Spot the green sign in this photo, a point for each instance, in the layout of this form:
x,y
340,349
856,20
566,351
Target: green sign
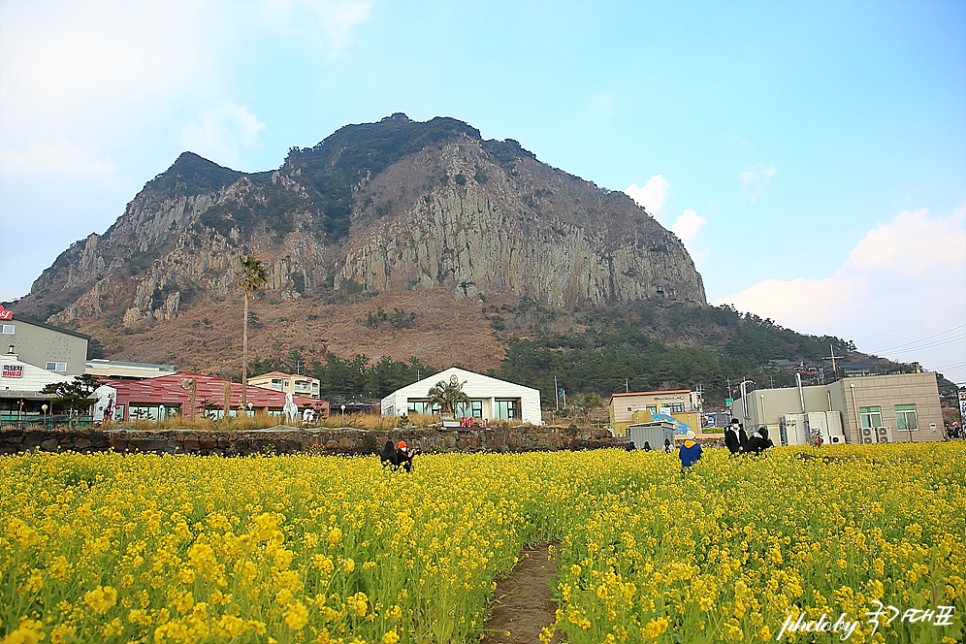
x,y
728,401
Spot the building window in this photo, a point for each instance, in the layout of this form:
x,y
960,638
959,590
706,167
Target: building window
x,y
421,407
906,419
506,410
651,408
676,408
473,410
870,416
145,412
7,329
59,367
154,412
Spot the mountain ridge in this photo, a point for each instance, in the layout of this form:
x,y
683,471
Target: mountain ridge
x,y
375,210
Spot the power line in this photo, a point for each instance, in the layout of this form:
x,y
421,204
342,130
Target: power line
x,y
905,326
951,366
914,342
928,345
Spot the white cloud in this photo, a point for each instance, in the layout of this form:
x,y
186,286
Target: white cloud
x,y
56,160
652,195
755,180
688,225
326,24
889,292
219,133
74,65
801,304
912,243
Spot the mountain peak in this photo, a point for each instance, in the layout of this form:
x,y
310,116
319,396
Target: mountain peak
x,y
194,173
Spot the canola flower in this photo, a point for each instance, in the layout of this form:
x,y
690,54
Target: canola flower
x,y
144,548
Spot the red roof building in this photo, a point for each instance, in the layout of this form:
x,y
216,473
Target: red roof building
x,y
193,394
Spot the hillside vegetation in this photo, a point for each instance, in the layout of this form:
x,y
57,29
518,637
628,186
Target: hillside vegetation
x,y
641,347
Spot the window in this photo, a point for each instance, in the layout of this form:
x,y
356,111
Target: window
x,y
7,329
145,412
59,367
651,408
473,410
870,416
906,419
421,407
154,412
505,410
676,408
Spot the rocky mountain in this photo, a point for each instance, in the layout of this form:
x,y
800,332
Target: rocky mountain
x,y
420,217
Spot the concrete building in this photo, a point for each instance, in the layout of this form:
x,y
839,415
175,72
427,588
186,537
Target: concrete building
x,y
679,406
868,409
295,384
43,345
490,398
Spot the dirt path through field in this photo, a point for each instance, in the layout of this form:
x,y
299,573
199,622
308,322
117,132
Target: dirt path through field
x,y
522,604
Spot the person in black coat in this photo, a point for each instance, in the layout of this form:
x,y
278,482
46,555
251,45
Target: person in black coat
x,y
732,437
742,438
759,441
396,456
389,456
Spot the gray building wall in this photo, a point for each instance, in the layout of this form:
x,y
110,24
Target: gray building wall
x,y
885,392
848,396
38,344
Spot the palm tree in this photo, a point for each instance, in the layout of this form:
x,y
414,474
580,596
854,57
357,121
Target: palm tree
x,y
253,276
447,395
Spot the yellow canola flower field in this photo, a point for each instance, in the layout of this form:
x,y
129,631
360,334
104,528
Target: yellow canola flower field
x,y
143,548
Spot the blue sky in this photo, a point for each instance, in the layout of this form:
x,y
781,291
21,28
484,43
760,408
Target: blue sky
x,y
811,155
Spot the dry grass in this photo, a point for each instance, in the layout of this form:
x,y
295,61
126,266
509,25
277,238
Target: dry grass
x,y
264,421
373,422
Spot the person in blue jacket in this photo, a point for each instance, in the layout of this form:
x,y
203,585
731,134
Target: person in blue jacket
x,y
689,451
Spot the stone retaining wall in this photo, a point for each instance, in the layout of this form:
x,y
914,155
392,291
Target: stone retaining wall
x,y
290,440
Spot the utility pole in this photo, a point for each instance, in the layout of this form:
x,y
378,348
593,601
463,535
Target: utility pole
x,y
556,393
627,387
832,358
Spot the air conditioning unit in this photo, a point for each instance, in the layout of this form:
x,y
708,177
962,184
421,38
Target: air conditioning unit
x,y
883,435
868,435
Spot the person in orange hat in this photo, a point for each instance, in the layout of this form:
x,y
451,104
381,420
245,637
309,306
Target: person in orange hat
x,y
405,456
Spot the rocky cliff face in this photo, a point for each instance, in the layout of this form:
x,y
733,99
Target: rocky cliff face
x,y
389,207
520,228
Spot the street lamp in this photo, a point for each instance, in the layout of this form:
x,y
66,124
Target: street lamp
x,y
43,408
343,413
743,387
